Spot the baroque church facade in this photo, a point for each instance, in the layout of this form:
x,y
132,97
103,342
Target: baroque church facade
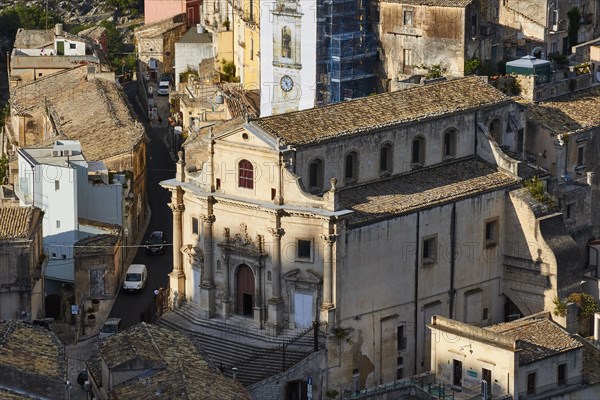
x,y
369,216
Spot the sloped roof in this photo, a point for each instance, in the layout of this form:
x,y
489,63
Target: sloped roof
x,y
94,112
539,338
424,188
383,110
32,350
16,222
181,372
568,114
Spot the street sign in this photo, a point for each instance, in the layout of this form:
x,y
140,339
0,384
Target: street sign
x,y
309,394
74,309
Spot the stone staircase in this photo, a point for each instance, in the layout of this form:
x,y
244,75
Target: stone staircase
x,y
238,343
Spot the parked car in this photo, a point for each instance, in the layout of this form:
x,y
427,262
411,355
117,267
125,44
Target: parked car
x,y
167,77
135,279
111,327
163,88
156,243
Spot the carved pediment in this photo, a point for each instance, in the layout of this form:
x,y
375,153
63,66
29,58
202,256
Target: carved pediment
x,y
242,243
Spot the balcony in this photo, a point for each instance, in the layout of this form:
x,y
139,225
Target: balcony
x,y
23,195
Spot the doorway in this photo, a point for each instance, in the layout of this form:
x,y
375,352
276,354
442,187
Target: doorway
x,y
245,291
53,306
486,375
303,310
457,373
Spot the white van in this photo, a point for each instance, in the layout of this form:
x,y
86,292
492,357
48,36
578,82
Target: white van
x,y
135,280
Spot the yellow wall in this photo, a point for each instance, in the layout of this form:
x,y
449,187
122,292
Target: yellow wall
x,y
251,77
224,47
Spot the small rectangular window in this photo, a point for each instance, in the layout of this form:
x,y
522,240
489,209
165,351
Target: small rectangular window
x,y
562,374
408,17
56,185
218,183
531,383
72,46
273,193
304,248
581,156
569,211
429,255
57,223
491,233
194,225
484,314
401,339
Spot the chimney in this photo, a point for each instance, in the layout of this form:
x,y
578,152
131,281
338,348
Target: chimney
x,y
58,29
199,28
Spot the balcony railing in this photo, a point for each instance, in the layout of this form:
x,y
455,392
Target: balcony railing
x,y
548,391
23,195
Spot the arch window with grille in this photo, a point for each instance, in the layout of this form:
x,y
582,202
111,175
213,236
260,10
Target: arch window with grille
x,y
245,174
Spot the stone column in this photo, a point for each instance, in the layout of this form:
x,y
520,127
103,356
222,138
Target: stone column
x,y
328,270
275,321
225,300
207,287
177,276
258,302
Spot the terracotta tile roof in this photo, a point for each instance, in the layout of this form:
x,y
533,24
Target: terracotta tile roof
x,y
384,110
424,188
432,3
177,368
15,222
539,338
157,28
568,114
240,102
94,33
32,350
95,112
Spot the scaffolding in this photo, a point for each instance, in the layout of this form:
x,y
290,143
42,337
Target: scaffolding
x,y
347,51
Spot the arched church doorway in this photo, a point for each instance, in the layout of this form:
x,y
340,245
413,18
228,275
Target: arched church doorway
x,y
245,290
53,306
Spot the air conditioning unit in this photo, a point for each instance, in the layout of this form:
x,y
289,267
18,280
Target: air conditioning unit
x,y
554,28
56,153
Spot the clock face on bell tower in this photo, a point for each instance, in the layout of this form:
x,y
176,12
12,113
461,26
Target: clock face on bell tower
x,y
286,83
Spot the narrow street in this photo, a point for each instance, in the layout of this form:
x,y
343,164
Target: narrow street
x,y
129,307
160,166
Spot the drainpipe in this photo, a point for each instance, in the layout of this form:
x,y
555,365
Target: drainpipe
x,y
452,259
416,331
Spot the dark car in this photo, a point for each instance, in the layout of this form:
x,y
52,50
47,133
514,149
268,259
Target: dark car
x,y
155,243
82,377
167,77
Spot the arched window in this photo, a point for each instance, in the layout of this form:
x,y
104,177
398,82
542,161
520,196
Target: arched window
x,y
315,176
450,143
418,151
245,174
351,167
286,42
385,159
